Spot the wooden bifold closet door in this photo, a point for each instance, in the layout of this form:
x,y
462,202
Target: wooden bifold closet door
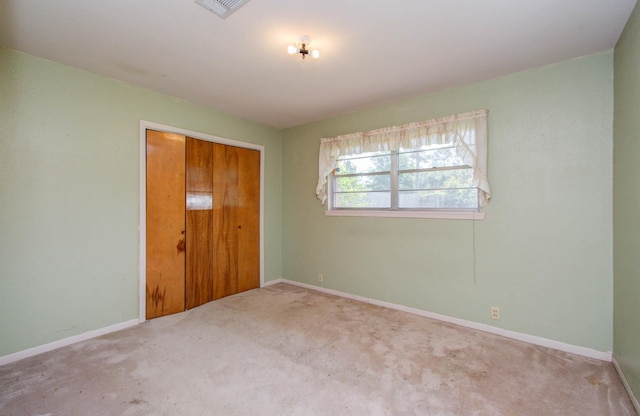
x,y
165,223
203,216
199,253
236,200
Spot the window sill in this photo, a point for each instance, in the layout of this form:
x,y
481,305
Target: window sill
x,y
448,215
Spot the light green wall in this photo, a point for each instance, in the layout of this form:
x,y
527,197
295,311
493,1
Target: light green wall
x,y
69,202
626,202
544,251
69,195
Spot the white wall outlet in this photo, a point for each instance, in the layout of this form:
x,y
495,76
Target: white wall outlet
x,y
320,277
495,312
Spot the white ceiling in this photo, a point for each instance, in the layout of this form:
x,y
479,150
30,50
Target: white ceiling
x,y
372,51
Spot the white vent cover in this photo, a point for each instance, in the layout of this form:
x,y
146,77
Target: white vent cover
x,y
222,8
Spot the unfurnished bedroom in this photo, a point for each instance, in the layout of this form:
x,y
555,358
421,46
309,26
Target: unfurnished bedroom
x,y
213,207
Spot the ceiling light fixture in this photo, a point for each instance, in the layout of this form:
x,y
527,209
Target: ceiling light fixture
x,y
301,48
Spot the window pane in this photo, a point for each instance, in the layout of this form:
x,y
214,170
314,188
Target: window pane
x,y
365,163
449,178
450,198
363,183
363,200
426,159
428,178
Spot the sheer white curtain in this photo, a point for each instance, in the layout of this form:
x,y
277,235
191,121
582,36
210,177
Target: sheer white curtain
x,y
467,131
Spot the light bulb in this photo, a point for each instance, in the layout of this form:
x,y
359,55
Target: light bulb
x,y
315,54
292,49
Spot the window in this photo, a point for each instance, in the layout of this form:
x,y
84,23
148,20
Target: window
x,y
424,178
433,165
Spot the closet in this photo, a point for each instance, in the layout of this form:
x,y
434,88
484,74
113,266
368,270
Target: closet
x,y
203,222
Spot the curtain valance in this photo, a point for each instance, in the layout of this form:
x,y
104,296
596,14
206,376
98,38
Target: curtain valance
x,y
467,131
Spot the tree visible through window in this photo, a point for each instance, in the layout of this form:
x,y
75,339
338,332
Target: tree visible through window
x,y
437,164
428,177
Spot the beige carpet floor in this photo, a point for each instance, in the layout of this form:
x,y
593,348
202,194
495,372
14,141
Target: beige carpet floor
x,y
285,350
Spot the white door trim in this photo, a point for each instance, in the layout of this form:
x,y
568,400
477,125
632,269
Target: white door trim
x,y
142,224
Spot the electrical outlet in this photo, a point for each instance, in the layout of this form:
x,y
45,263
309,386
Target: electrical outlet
x,y
495,312
320,277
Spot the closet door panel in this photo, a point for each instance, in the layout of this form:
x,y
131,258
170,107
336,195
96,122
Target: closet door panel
x,y
199,218
248,219
165,260
225,220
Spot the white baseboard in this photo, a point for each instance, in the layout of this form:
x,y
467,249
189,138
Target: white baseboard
x,y
531,339
6,359
627,387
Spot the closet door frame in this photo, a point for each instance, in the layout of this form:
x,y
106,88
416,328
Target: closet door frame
x,y
142,224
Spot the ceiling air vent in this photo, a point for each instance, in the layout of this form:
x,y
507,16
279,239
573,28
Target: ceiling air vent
x,y
222,8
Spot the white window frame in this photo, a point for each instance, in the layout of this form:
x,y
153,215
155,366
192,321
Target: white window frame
x,y
395,210
394,181
467,132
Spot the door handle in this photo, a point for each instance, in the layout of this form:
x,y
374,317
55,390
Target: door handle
x,y
180,246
